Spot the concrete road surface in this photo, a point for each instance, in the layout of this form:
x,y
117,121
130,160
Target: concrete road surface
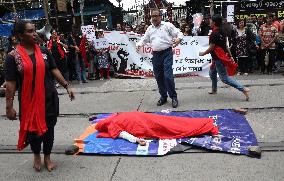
x,y
265,115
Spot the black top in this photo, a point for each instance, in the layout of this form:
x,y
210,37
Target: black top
x,y
51,96
219,40
74,42
204,30
54,51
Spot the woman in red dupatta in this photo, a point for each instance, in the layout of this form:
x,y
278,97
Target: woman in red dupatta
x,y
222,61
30,69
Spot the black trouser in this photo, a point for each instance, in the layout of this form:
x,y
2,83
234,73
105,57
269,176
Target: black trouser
x,y
272,56
162,66
47,139
2,79
63,68
245,64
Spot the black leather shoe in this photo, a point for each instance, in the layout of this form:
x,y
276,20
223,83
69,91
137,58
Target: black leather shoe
x,y
161,102
174,103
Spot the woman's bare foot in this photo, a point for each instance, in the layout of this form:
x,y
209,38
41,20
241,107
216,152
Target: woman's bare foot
x,y
246,93
48,163
37,162
141,142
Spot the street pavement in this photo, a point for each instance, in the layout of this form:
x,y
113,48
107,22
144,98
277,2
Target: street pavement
x,y
265,115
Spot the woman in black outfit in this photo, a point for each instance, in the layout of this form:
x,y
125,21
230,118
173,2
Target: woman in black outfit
x,y
30,69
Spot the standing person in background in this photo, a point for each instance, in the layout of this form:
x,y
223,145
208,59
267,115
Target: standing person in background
x,y
12,43
63,40
255,55
219,50
205,26
260,21
2,74
276,23
268,36
244,41
75,57
162,36
118,27
187,31
57,50
103,57
31,69
280,51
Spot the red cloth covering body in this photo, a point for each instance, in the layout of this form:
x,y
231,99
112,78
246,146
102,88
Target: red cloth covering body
x,y
228,62
60,49
147,125
32,100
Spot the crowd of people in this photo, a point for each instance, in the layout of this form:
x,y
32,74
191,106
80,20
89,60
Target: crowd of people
x,y
256,43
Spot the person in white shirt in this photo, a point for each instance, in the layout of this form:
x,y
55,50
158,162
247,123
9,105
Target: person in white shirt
x,y
162,36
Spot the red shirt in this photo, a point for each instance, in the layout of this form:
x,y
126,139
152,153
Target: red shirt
x,y
267,34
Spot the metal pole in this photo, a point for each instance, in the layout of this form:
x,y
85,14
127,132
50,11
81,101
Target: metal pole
x,y
81,11
56,15
221,9
45,6
15,12
73,17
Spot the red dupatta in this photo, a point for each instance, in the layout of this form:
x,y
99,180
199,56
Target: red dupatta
x,y
60,49
228,62
32,99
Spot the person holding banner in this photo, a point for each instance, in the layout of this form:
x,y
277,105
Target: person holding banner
x,y
221,62
162,36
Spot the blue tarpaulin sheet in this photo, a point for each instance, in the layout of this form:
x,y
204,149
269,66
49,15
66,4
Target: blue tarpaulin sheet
x,y
32,14
235,136
5,29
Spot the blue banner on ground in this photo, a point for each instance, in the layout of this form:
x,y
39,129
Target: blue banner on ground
x,y
235,136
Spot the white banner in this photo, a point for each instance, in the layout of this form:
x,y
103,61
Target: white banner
x,y
187,62
101,43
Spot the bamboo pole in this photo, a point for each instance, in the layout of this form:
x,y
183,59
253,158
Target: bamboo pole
x,y
45,7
